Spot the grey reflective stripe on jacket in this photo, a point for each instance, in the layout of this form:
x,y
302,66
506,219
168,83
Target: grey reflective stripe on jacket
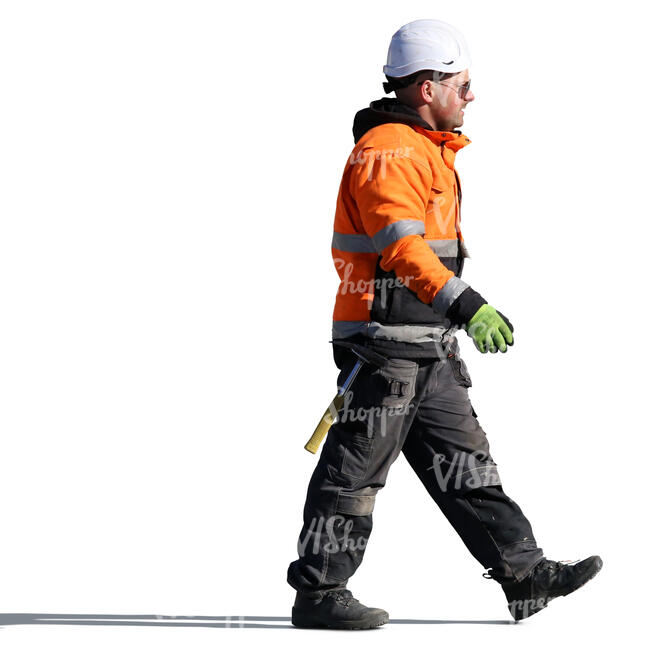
x,y
352,243
359,243
403,333
444,247
395,231
449,292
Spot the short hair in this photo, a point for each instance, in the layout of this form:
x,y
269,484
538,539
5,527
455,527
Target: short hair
x,y
397,83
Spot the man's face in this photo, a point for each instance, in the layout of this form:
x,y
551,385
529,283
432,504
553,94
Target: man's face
x,y
446,104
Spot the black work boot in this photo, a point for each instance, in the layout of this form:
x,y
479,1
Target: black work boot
x,y
546,581
336,609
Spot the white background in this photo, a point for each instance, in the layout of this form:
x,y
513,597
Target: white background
x,y
168,182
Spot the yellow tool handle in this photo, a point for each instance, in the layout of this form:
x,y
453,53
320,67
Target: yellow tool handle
x,y
324,425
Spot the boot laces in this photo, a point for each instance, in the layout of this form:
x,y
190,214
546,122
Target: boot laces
x,y
344,597
554,566
557,564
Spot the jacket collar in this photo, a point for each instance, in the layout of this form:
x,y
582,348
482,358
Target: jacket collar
x,y
390,110
454,140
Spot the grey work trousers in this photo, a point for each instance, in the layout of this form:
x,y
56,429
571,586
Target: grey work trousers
x,y
423,410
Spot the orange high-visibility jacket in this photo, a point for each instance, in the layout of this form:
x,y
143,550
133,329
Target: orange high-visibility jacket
x,y
397,244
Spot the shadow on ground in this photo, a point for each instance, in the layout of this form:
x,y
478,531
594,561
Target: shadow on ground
x,y
196,621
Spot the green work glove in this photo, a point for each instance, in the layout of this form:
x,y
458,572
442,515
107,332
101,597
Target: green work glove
x,y
490,330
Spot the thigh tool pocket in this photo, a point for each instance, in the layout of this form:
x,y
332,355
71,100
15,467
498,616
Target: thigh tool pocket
x,y
356,456
394,384
375,408
379,397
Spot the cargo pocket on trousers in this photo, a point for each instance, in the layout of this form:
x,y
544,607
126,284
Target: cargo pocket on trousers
x,y
376,405
393,389
396,382
356,456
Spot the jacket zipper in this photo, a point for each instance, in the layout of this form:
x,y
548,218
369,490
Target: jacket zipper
x,y
459,197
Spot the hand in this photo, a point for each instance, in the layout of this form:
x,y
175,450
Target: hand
x,y
490,330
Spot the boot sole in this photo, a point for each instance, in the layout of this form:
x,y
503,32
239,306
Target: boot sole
x,y
299,619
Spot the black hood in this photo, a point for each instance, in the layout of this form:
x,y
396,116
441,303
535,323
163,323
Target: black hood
x,y
383,111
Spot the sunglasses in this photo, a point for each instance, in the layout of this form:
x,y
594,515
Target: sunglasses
x,y
462,90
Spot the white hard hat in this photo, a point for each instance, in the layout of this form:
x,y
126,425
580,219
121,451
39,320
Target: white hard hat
x,y
426,45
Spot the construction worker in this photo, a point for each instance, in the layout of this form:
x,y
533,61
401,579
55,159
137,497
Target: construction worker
x,y
399,253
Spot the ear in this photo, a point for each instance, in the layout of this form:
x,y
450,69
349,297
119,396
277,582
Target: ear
x,y
427,91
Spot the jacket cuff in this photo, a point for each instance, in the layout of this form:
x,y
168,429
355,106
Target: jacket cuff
x,y
448,294
465,306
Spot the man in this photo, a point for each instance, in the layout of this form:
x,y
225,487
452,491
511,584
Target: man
x,y
399,252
